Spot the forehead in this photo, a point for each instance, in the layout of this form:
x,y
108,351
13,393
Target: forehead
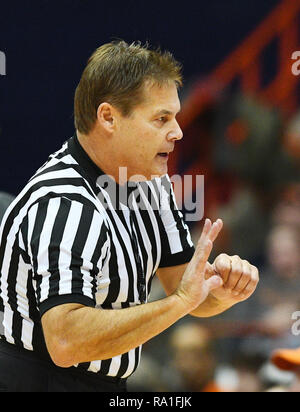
x,y
160,98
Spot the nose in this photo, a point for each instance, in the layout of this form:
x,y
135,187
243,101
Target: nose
x,y
175,133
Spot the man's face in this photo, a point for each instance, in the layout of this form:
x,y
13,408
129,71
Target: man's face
x,y
145,139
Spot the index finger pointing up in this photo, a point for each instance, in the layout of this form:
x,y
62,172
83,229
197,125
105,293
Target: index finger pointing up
x,y
210,231
204,246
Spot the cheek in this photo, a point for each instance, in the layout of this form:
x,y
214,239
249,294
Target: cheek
x,y
148,147
144,142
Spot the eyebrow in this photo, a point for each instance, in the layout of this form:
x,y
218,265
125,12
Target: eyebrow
x,y
164,112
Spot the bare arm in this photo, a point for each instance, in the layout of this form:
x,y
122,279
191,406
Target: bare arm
x,y
76,333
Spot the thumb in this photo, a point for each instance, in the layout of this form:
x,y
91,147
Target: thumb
x,y
214,282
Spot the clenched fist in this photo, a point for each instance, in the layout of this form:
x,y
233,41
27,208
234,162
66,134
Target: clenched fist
x,y
240,278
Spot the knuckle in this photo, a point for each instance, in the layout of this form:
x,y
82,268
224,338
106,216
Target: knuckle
x,y
236,269
222,262
255,272
246,266
222,255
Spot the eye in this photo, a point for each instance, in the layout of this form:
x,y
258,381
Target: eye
x,y
162,119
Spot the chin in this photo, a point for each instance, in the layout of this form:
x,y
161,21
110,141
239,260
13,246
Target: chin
x,y
163,171
144,175
159,170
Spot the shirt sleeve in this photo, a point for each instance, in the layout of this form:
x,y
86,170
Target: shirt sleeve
x,y
177,245
67,245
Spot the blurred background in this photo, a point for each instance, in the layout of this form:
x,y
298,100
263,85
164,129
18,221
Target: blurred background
x,y
241,122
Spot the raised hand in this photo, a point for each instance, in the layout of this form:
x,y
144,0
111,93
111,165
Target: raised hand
x,y
194,287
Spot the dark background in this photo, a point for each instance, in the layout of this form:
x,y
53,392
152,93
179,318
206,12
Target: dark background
x,y
47,44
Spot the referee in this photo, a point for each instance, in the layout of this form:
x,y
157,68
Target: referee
x,y
80,245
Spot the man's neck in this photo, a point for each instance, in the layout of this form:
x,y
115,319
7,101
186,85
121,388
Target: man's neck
x,y
100,154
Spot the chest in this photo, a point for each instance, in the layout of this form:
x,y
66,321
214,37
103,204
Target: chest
x,y
133,257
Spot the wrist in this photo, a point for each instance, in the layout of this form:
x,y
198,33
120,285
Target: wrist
x,y
211,307
221,303
183,303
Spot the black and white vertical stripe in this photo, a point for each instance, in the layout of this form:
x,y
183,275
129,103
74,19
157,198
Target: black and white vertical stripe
x,y
66,239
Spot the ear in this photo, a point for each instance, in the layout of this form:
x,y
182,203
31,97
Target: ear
x,y
105,116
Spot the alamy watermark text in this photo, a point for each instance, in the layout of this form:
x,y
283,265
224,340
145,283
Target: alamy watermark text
x,y
188,189
296,65
2,64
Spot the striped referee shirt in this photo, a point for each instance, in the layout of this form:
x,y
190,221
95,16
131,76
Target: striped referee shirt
x,y
72,236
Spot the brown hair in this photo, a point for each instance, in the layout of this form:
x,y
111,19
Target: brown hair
x,y
115,73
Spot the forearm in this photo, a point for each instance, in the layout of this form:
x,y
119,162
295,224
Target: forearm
x,y
210,307
94,334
